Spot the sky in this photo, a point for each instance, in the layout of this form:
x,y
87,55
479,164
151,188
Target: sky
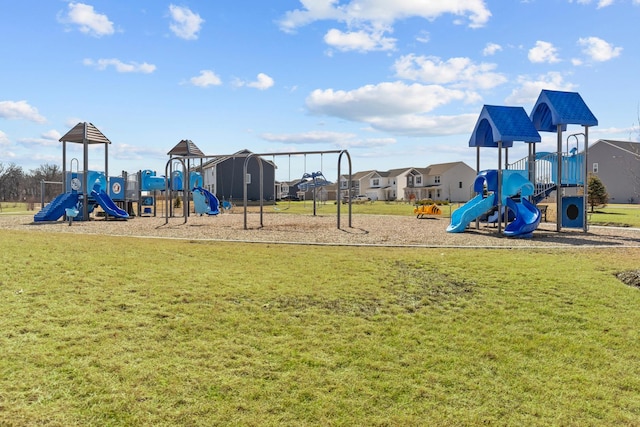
x,y
395,83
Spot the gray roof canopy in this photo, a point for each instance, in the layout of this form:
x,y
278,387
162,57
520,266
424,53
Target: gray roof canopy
x,y
186,148
85,132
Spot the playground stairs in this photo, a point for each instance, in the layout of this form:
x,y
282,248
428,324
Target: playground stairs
x,y
55,208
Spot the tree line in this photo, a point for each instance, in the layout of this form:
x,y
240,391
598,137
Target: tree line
x,y
16,185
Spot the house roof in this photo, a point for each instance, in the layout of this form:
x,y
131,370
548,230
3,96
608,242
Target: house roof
x,y
555,108
85,132
628,147
186,148
440,168
502,124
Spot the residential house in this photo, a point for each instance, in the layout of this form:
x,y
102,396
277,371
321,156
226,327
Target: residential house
x,y
444,181
223,177
617,164
387,185
359,184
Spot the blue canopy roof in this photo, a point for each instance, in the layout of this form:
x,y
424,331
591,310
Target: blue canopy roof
x,y
506,124
555,108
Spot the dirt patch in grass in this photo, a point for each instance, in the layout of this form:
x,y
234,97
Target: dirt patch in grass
x,y
631,278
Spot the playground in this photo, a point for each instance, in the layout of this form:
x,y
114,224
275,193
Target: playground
x,y
367,229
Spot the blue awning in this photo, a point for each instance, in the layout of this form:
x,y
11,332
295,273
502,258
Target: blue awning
x,y
555,108
505,124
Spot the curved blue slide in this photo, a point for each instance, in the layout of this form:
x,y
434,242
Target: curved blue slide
x,y
527,218
471,210
107,204
205,202
54,210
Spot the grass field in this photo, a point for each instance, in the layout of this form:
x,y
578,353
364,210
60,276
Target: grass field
x,y
120,331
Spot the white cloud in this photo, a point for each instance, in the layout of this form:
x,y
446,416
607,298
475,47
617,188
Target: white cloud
x,y
13,110
88,20
367,21
340,140
121,67
185,23
491,49
205,79
384,99
604,3
529,89
311,137
384,12
50,138
361,40
4,139
543,52
458,72
598,49
395,107
420,125
262,82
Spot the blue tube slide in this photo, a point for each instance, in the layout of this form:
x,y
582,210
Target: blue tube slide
x,y
527,218
205,202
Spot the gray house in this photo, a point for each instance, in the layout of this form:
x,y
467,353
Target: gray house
x,y
223,177
617,164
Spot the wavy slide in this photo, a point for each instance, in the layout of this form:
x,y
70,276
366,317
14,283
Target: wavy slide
x,y
471,210
527,218
108,205
205,202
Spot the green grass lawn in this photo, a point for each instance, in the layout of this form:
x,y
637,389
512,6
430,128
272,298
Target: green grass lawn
x,y
124,331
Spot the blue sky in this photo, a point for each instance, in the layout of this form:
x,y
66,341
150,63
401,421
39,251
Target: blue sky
x,y
397,83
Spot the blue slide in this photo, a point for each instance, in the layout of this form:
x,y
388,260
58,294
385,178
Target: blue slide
x,y
54,210
107,204
527,218
471,210
205,202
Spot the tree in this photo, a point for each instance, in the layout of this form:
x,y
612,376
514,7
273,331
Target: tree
x,y
597,192
11,182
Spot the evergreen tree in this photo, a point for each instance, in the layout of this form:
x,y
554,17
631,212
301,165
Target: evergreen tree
x,y
597,192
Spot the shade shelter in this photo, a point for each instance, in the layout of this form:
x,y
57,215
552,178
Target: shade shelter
x,y
86,134
498,127
552,112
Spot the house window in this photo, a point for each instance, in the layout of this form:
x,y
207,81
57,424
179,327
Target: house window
x,y
460,184
376,182
437,179
595,168
343,184
438,193
418,180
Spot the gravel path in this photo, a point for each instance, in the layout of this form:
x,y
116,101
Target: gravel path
x,y
382,230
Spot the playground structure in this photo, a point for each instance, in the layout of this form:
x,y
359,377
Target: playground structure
x,y
524,183
83,190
